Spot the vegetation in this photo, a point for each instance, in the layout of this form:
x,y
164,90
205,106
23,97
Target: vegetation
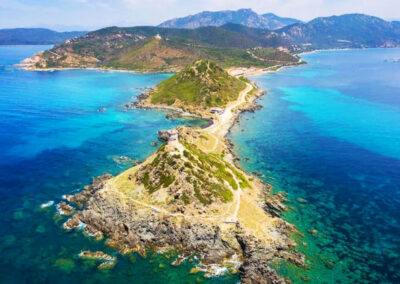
x,y
162,49
273,55
202,84
192,177
25,36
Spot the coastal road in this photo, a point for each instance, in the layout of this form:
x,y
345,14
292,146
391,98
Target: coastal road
x,y
220,127
218,130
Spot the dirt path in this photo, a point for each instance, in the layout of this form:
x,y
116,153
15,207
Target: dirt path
x,y
217,130
220,127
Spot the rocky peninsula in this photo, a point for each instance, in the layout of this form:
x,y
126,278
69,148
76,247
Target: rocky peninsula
x,y
190,196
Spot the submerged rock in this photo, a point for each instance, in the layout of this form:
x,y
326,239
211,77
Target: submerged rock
x,y
313,231
18,215
257,173
122,160
301,200
7,241
40,229
66,265
108,261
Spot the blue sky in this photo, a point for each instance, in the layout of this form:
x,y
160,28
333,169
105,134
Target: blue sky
x,y
93,14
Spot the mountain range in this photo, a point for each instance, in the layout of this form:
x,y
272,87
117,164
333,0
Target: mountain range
x,y
240,29
344,31
229,45
351,30
246,17
34,36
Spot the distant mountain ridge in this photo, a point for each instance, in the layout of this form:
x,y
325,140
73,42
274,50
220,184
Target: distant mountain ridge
x,y
345,31
21,36
246,17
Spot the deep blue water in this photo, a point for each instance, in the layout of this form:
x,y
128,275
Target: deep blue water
x,y
53,140
329,135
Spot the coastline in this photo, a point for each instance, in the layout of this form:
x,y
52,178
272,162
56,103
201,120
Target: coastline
x,y
225,234
233,225
28,64
102,69
240,138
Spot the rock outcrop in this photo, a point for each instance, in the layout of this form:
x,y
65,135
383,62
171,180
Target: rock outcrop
x,y
133,227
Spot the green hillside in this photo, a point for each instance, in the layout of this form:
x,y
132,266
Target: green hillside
x,y
202,84
151,54
161,49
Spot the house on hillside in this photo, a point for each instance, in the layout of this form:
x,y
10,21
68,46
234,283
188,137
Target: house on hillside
x,y
217,110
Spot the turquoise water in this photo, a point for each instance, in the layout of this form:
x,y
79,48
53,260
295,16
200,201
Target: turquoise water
x,y
53,140
329,135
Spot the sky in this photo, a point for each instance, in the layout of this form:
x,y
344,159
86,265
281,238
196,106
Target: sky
x,y
93,14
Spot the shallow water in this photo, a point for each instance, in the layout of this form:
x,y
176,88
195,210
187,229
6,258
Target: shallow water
x,y
53,141
329,135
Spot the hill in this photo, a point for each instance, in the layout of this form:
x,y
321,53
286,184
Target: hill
x,y
151,53
162,49
34,36
230,45
346,31
202,84
189,197
246,17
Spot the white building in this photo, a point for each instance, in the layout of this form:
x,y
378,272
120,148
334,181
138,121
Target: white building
x,y
217,110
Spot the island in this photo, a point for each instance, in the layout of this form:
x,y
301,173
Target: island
x,y
190,196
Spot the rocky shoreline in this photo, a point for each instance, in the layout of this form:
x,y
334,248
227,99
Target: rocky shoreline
x,y
133,226
135,229
173,112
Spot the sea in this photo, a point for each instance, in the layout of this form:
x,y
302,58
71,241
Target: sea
x,y
328,135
